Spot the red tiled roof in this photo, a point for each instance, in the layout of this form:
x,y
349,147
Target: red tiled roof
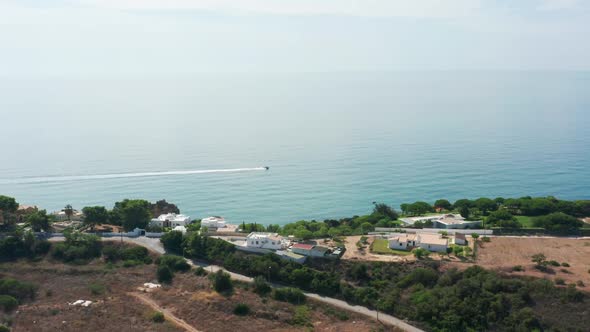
x,y
303,246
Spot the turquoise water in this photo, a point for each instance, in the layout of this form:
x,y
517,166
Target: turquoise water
x,y
334,142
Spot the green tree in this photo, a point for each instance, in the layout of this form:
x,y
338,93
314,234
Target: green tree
x,y
443,204
582,208
133,213
172,241
502,218
465,212
303,234
485,205
8,204
419,208
558,222
385,210
537,206
95,215
39,221
405,208
69,211
463,203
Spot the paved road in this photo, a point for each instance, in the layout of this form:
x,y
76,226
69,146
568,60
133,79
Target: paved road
x,y
156,246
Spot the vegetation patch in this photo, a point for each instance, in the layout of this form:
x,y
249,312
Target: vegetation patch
x,y
241,309
158,317
381,246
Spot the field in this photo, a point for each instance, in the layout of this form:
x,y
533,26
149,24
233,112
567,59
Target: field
x,y
189,303
504,253
525,221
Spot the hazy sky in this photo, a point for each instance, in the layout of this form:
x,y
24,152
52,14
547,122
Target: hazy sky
x,y
105,37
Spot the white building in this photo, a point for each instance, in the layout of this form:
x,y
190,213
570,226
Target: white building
x,y
444,221
62,216
213,222
402,241
459,238
430,242
270,241
171,220
181,229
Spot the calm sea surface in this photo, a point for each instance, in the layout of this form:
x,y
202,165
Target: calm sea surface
x,y
334,142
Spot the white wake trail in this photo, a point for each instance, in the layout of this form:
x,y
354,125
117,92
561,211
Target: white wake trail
x,y
124,175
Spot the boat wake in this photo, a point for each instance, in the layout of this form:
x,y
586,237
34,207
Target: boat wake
x,y
124,175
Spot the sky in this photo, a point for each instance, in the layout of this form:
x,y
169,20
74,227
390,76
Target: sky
x,y
177,37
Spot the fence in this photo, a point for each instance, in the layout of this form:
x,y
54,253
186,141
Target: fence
x,y
540,231
134,233
381,230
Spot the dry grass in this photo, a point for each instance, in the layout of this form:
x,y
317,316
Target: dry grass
x,y
189,298
503,253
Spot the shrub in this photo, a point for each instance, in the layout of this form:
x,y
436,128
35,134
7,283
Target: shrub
x,y
572,294
222,282
241,309
559,281
111,254
340,314
78,248
158,317
517,268
165,274
261,286
3,328
135,253
200,271
8,303
18,289
132,263
565,264
96,289
486,239
292,295
554,263
580,283
301,316
420,253
175,263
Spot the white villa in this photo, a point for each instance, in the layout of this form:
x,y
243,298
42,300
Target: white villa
x,y
430,242
265,241
213,222
62,216
171,220
444,221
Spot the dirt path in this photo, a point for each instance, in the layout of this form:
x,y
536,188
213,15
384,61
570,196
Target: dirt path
x,y
169,315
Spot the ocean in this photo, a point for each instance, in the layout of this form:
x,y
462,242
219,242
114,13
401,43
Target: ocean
x,y
334,142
